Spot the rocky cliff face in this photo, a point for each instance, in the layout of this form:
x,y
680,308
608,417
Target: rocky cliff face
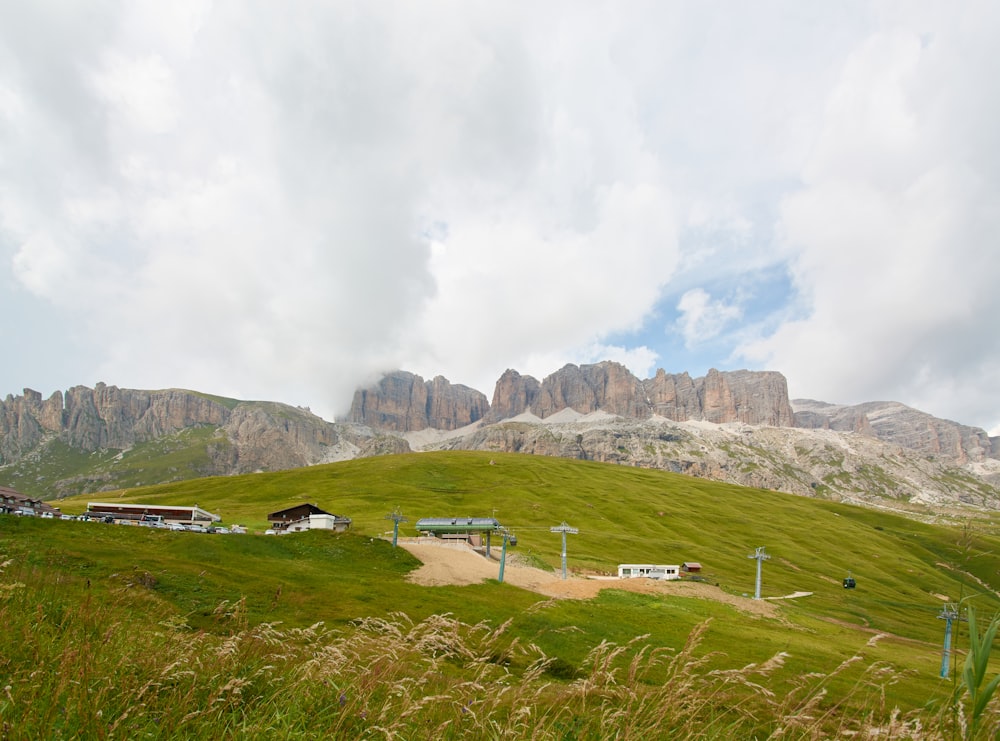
x,y
759,398
736,426
841,466
20,431
244,436
99,418
109,417
271,437
513,395
607,386
451,406
897,423
404,402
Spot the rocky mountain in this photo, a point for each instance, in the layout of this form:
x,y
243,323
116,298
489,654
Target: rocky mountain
x,y
840,466
897,423
735,426
108,437
404,402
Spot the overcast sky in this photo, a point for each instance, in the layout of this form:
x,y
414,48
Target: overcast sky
x,y
282,200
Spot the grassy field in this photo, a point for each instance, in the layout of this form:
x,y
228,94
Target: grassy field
x,y
181,455
87,598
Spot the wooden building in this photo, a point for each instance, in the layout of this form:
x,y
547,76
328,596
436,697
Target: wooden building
x,y
306,517
15,503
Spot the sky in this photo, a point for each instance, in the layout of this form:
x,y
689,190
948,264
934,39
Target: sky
x,y
283,201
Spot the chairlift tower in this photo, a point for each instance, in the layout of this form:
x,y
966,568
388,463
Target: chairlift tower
x,y
949,613
396,518
564,528
507,536
760,557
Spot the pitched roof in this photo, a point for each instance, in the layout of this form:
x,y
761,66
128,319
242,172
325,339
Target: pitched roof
x,y
299,510
16,498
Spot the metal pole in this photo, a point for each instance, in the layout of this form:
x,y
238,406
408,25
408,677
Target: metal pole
x,y
756,589
564,528
396,518
564,553
949,613
503,557
760,556
946,655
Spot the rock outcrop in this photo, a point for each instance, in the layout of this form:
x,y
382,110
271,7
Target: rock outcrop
x,y
750,397
19,429
606,386
736,426
451,406
514,394
673,396
241,437
107,417
841,466
899,424
268,436
404,402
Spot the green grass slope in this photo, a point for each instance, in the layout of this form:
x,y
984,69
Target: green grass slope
x,y
624,515
904,569
627,515
172,457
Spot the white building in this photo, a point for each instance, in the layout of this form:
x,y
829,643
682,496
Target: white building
x,y
306,517
648,571
319,522
168,513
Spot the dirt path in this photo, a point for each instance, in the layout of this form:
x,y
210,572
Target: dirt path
x,y
457,564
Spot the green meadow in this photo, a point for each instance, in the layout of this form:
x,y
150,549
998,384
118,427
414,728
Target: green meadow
x,y
126,632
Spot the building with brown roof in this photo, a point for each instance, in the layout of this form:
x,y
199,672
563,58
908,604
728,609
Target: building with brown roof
x,y
306,517
15,503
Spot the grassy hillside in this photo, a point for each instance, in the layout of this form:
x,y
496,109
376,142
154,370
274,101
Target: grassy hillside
x,y
160,582
180,455
624,515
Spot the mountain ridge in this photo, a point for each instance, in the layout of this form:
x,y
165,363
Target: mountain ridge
x,y
747,397
735,426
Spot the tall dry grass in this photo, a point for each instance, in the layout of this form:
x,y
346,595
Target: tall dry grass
x,y
75,666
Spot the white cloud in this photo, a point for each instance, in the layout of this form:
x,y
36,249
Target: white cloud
x,y
701,318
890,235
42,264
281,202
140,90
